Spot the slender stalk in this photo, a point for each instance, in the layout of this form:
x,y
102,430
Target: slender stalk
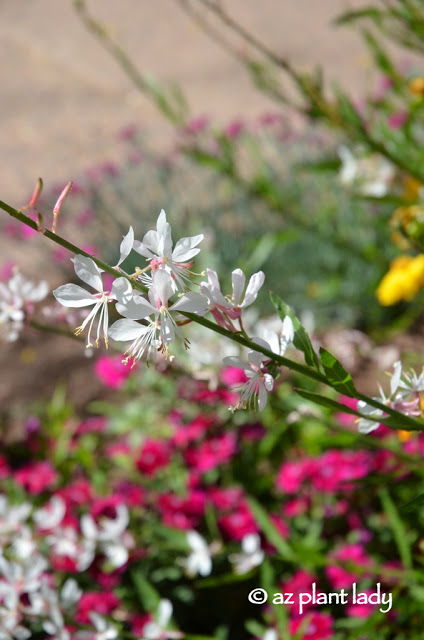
x,y
413,425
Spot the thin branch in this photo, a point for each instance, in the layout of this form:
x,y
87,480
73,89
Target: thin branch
x,y
412,424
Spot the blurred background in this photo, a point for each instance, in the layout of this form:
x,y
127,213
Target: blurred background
x,y
63,98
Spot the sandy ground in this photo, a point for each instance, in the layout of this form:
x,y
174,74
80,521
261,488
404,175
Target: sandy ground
x,y
63,97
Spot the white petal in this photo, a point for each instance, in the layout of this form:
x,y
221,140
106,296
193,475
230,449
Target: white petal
x,y
238,279
262,397
195,541
122,290
255,283
125,330
255,358
213,279
394,382
287,334
268,382
235,361
205,565
141,248
136,309
251,543
163,286
126,246
164,613
185,248
72,295
87,270
192,302
349,168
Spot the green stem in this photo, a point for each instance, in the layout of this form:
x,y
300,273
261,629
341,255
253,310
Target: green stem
x,y
414,425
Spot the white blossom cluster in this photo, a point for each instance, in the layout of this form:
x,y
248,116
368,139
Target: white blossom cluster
x,y
17,299
152,323
29,542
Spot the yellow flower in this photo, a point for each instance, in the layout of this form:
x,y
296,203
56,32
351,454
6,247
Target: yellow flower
x,y
416,86
403,280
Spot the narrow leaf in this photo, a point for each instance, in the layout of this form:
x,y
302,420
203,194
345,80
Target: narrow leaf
x,y
270,530
399,532
337,376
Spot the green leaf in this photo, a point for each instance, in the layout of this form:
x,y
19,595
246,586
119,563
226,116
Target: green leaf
x,y
147,594
301,339
270,531
418,501
337,376
400,533
351,16
327,402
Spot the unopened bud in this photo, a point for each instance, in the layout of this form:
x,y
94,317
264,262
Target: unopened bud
x,y
35,195
58,205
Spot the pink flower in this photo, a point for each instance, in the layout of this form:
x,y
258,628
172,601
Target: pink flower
x,y
291,475
192,431
232,376
76,493
300,582
346,419
239,523
398,119
132,494
196,125
111,371
335,468
234,129
296,507
94,424
93,601
36,477
361,610
320,627
4,468
106,507
182,513
154,455
212,453
342,577
226,498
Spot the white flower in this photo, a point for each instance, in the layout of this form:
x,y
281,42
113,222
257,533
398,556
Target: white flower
x,y
104,631
51,515
72,295
125,247
372,174
157,629
199,561
66,542
259,383
162,329
404,397
278,345
157,248
111,534
252,555
17,298
223,307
